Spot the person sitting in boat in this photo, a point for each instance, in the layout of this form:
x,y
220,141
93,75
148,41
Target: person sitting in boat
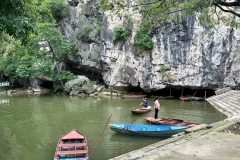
x,y
144,103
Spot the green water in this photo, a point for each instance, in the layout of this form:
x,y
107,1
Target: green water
x,y
30,126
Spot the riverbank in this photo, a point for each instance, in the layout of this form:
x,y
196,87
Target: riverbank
x,y
22,91
212,141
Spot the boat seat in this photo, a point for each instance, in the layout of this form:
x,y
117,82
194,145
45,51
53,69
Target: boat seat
x,y
72,152
72,144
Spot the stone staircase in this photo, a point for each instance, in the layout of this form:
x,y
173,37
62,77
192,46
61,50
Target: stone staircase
x,y
227,103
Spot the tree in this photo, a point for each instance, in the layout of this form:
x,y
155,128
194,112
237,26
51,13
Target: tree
x,y
18,17
59,47
159,10
44,47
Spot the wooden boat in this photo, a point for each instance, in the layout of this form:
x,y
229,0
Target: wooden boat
x,y
169,121
141,110
133,96
72,146
147,130
184,98
197,98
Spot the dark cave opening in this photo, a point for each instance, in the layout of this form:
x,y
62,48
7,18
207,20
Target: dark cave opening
x,y
47,84
175,92
93,74
134,90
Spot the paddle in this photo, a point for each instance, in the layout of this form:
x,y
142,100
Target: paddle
x,y
133,121
101,135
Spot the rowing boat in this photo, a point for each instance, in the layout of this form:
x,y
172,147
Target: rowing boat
x,y
169,121
72,146
147,130
141,110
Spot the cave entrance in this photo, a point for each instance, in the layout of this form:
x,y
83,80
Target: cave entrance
x,y
135,90
177,92
93,74
47,84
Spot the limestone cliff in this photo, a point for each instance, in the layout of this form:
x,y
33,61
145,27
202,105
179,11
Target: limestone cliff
x,y
185,53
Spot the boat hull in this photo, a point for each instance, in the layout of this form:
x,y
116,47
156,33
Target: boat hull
x,y
183,98
169,121
147,130
141,110
197,98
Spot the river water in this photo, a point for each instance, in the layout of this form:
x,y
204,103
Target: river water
x,y
30,126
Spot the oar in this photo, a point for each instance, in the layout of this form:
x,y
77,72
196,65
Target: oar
x,y
194,94
133,121
101,135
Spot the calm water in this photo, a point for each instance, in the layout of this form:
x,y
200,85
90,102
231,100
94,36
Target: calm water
x,y
30,126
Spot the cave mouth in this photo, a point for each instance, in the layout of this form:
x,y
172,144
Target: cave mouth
x,y
130,90
47,84
177,92
166,92
91,73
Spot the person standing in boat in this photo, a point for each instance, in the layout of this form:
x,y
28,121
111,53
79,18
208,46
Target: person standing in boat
x,y
156,107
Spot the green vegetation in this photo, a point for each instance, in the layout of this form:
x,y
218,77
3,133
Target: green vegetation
x,y
58,9
97,24
164,68
61,78
87,31
22,62
32,22
18,17
119,34
142,39
156,11
166,74
58,45
83,32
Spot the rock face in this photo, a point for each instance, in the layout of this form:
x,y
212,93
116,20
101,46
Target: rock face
x,y
185,53
82,85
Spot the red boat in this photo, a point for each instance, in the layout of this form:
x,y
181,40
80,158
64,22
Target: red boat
x,y
133,96
184,98
72,145
169,121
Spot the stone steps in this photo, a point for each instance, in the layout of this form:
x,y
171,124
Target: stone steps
x,y
228,106
227,102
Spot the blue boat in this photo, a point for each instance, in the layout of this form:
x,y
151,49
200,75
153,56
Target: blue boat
x,y
147,130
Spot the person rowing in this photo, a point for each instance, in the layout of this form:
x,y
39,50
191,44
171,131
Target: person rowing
x,y
144,103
